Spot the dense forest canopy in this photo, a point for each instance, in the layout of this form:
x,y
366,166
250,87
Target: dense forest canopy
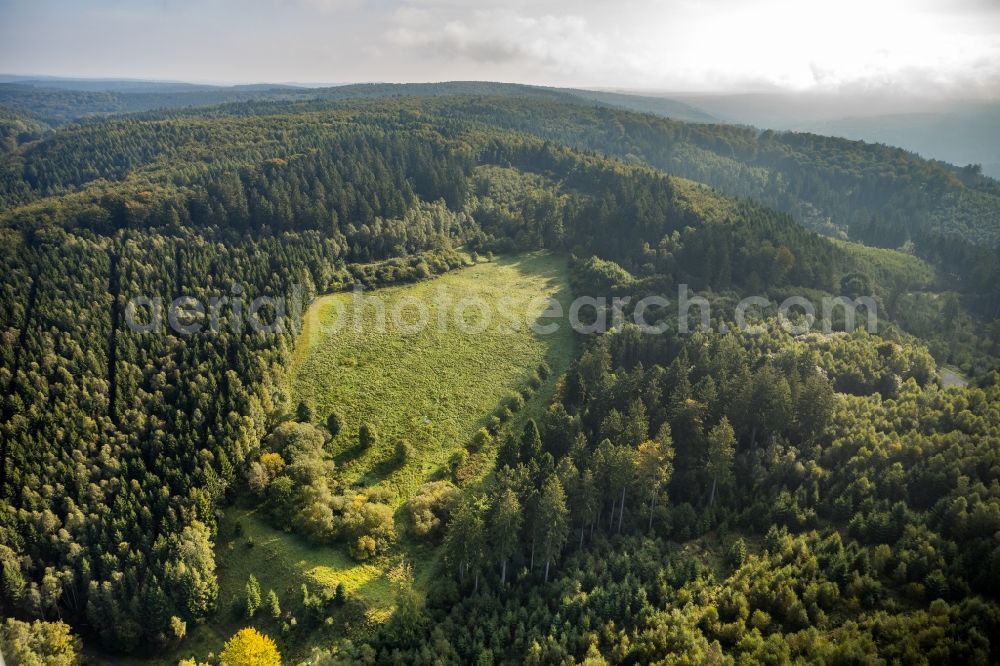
x,y
844,504
875,194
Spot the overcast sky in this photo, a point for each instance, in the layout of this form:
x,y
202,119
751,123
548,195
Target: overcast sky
x,y
917,46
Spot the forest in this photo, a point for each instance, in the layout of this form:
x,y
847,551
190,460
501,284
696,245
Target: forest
x,y
678,498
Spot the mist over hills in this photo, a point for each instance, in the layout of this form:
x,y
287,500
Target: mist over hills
x,y
969,135
960,131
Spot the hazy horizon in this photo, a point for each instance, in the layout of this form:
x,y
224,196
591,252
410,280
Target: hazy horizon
x,y
926,49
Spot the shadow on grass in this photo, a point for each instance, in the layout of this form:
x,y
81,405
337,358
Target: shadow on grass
x,y
382,471
348,455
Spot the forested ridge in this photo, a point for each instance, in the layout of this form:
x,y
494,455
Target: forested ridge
x,y
845,505
61,102
875,194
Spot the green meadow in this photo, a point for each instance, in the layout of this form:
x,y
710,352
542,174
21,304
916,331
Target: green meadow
x,y
889,267
433,385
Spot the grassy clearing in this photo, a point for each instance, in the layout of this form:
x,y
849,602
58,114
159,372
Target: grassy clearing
x,y
890,266
282,562
705,202
952,376
434,387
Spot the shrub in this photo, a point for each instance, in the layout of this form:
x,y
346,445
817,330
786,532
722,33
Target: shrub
x,y
363,518
534,381
273,604
457,459
178,627
514,402
431,507
470,468
480,440
364,548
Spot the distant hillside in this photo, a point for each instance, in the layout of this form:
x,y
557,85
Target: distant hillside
x,y
104,85
958,132
59,106
966,136
16,127
60,101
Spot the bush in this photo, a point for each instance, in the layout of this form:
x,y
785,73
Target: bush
x,y
534,381
431,507
373,520
470,468
364,548
178,627
273,604
457,459
514,402
480,440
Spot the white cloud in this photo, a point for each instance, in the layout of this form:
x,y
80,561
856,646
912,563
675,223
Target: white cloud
x,y
950,47
503,36
695,44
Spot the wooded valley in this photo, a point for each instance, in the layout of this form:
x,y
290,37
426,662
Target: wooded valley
x,y
716,495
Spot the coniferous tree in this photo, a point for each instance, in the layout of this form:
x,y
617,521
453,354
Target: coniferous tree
x,y
466,538
506,527
555,521
721,449
253,599
273,604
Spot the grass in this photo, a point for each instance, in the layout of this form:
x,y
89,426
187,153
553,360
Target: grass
x,y
435,388
282,562
705,202
888,266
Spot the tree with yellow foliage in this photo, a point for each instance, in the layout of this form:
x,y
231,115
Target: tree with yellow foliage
x,y
38,643
249,647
